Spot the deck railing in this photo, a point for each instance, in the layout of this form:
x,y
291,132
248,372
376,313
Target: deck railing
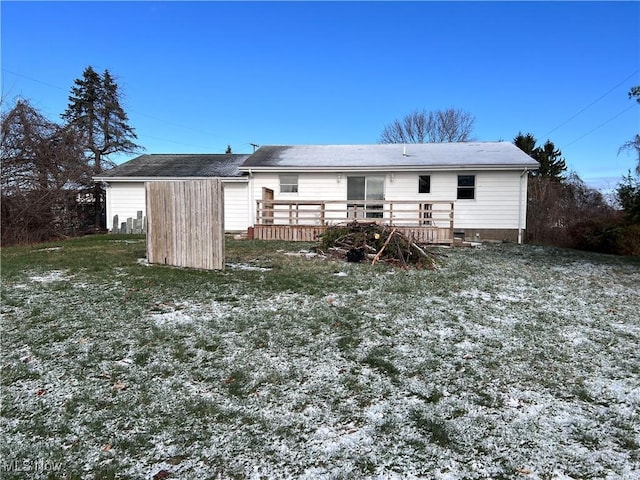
x,y
330,212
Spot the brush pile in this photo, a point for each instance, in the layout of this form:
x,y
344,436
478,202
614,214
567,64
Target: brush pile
x,y
371,242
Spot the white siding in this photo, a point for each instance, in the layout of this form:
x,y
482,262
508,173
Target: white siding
x,y
496,203
236,207
311,186
125,199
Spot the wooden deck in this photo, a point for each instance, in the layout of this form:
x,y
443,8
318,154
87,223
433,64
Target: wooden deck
x,y
311,233
305,221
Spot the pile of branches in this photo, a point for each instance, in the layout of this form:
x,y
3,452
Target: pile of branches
x,y
372,242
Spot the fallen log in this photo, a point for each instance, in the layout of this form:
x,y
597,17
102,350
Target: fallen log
x,y
369,241
377,257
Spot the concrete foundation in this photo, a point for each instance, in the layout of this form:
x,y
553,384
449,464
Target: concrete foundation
x,y
487,234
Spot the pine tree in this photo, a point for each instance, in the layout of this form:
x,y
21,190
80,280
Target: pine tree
x,y
95,113
526,143
552,165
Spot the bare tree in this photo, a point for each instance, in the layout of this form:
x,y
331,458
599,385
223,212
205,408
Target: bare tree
x,y
555,208
420,126
42,171
634,144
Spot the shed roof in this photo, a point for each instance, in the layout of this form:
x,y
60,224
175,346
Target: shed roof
x,y
421,155
178,165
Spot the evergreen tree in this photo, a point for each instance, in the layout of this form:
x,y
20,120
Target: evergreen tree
x,y
552,165
95,113
526,143
628,193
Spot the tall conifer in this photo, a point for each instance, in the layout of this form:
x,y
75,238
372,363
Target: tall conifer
x,y
95,113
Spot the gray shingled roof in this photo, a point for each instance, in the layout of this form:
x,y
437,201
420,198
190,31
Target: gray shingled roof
x,y
466,154
178,165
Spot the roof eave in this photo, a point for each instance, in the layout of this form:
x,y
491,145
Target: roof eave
x,y
241,179
388,168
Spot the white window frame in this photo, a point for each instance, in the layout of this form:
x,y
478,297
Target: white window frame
x,y
289,183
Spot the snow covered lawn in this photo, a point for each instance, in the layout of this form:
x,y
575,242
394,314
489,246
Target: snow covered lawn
x,y
507,362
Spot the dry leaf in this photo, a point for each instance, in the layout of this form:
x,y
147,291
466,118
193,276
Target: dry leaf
x,y
161,475
119,385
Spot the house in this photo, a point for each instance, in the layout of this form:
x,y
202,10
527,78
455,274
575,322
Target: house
x,y
125,193
473,189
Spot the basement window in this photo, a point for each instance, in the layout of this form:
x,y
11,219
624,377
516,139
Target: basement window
x,y
288,183
466,187
424,184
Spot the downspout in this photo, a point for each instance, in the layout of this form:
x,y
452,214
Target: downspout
x,y
107,206
521,205
252,203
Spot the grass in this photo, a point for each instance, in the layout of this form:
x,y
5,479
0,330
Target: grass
x,y
507,362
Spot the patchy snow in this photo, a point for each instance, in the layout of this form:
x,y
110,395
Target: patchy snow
x,y
509,362
53,276
48,249
246,266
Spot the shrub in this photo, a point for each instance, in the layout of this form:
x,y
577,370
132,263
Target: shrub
x,y
607,236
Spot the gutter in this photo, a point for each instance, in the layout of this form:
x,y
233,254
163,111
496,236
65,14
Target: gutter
x,y
242,179
384,168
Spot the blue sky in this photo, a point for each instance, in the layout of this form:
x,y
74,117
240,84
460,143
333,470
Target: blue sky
x,y
197,76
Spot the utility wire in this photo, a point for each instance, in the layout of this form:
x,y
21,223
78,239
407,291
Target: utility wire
x,y
590,105
34,80
171,141
599,126
57,87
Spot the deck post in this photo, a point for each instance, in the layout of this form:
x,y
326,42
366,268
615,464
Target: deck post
x,y
258,222
451,222
306,218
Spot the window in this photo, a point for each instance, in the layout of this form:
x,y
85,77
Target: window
x,y
424,184
288,183
466,187
368,189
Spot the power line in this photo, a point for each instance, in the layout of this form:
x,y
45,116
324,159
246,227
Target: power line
x,y
57,87
599,126
172,141
590,105
34,80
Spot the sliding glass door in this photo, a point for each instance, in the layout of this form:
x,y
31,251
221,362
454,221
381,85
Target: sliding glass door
x,y
365,188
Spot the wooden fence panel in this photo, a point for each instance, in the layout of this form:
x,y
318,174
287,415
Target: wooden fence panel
x,y
185,223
